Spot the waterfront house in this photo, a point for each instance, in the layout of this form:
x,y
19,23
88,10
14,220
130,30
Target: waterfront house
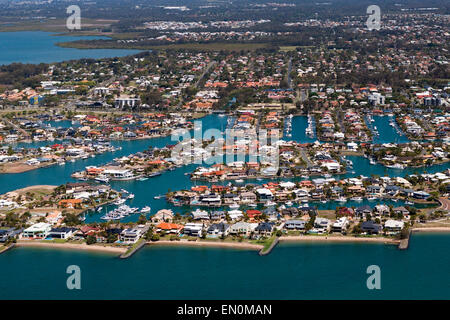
x,y
340,225
421,195
382,209
248,197
200,215
295,225
393,226
402,211
242,228
264,194
235,214
373,190
163,215
132,235
169,227
37,231
253,213
363,211
370,227
6,234
193,229
219,229
61,233
321,224
70,203
264,228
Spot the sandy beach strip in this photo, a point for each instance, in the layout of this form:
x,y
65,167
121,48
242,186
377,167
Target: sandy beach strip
x,y
234,245
337,239
431,229
73,246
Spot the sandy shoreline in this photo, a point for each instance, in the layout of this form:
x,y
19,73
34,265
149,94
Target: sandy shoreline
x,y
236,245
337,239
75,246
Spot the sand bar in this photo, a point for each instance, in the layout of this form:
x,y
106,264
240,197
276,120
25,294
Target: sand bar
x,y
236,245
75,246
338,239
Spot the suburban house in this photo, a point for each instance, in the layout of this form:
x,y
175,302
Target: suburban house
x,y
371,227
393,226
169,227
295,225
193,229
242,228
10,233
321,223
264,228
132,235
264,194
61,233
37,231
219,229
402,211
340,225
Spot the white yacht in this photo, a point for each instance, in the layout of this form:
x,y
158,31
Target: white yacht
x,y
234,206
102,178
270,204
145,209
341,199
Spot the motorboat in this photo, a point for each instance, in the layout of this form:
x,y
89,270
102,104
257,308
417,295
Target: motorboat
x,y
341,199
234,206
289,204
102,179
270,204
396,166
356,199
145,209
119,201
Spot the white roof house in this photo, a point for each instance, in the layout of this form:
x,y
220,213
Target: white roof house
x,y
394,225
38,230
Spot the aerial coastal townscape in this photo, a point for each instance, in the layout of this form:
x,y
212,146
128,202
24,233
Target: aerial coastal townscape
x,y
244,125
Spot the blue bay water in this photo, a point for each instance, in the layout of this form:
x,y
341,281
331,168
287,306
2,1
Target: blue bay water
x,y
40,47
145,191
291,271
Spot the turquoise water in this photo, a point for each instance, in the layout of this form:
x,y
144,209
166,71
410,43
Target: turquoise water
x,y
386,132
300,271
291,271
174,180
40,47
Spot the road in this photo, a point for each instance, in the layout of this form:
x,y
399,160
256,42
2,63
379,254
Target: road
x,y
208,68
305,157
